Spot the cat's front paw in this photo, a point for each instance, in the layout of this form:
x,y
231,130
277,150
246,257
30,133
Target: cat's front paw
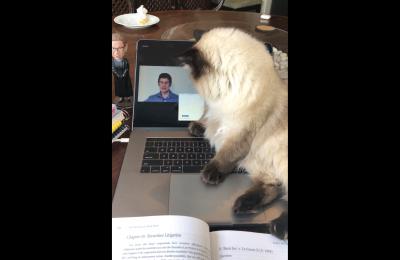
x,y
248,203
196,129
279,226
211,174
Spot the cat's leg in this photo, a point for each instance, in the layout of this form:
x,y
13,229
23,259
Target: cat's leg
x,y
197,128
259,195
234,148
279,226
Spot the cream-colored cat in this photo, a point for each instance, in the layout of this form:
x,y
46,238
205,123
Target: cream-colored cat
x,y
246,118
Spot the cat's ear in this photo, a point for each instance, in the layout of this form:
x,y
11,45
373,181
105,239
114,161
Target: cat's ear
x,y
194,60
188,57
197,34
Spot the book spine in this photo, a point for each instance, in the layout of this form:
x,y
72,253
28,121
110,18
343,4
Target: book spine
x,y
114,109
116,125
119,132
117,113
118,117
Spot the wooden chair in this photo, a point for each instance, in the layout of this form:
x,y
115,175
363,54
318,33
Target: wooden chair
x,y
121,7
164,5
199,4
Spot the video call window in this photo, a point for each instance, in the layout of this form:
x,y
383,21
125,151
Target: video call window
x,y
163,83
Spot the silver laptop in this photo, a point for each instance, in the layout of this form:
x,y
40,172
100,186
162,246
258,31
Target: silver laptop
x,y
160,174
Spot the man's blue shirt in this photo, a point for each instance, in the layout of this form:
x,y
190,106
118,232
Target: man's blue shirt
x,y
172,97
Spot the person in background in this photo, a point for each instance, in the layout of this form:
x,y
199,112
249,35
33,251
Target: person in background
x,y
165,94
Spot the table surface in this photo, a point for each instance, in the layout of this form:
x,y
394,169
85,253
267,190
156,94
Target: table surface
x,y
179,25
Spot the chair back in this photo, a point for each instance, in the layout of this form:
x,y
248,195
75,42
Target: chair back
x,y
121,7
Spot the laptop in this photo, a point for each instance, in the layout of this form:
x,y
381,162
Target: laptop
x,y
160,174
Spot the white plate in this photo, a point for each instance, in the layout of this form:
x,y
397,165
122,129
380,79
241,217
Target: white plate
x,y
130,20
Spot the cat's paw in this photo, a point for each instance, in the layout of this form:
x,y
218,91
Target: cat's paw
x,y
196,129
211,174
279,226
248,203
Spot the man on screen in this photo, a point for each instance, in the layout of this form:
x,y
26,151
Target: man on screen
x,y
165,94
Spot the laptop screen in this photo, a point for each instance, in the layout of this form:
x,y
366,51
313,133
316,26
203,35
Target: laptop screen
x,y
164,93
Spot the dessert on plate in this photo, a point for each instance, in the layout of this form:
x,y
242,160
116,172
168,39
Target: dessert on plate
x,y
143,18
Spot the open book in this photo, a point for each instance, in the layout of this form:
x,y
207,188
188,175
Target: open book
x,y
180,237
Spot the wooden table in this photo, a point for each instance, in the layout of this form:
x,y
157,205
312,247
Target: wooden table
x,y
179,25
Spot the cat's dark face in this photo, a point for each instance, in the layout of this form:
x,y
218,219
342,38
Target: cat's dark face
x,y
196,62
194,59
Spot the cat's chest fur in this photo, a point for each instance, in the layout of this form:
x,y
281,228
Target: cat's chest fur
x,y
220,124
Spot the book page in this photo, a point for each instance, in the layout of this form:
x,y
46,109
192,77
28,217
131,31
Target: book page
x,y
241,245
160,237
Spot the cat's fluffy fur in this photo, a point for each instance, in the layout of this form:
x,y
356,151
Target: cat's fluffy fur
x,y
246,116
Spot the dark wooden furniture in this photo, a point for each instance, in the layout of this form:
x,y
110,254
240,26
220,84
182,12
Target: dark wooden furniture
x,y
121,7
164,5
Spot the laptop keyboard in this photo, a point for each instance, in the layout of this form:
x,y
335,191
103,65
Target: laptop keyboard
x,y
177,155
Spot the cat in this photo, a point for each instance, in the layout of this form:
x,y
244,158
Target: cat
x,y
245,119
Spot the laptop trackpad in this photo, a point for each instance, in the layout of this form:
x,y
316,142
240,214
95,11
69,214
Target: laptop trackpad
x,y
189,196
